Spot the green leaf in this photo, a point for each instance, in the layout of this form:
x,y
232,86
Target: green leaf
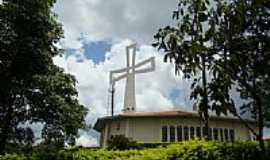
x,y
203,17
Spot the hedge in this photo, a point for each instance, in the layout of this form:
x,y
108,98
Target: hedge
x,y
187,150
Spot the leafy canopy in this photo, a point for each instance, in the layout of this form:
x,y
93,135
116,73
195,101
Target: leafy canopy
x,y
32,88
230,41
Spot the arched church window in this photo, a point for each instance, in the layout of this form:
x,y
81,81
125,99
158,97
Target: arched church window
x,y
226,134
204,132
186,133
198,132
232,135
179,133
118,126
192,132
172,133
215,132
164,134
221,134
210,134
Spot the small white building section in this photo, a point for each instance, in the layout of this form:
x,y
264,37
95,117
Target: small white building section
x,y
129,73
172,126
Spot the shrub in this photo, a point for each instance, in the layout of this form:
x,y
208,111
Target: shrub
x,y
153,145
187,150
120,142
13,157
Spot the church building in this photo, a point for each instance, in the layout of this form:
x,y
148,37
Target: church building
x,y
170,126
163,126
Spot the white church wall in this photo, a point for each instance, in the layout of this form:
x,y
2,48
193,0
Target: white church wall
x,y
241,132
118,127
145,130
149,130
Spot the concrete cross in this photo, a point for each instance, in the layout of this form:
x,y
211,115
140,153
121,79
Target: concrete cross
x,y
129,73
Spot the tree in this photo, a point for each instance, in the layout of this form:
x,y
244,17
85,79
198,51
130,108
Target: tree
x,y
237,42
190,46
246,64
32,88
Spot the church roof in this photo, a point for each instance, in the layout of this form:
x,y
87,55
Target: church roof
x,y
161,114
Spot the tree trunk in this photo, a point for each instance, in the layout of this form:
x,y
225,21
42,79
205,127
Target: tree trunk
x,y
6,124
260,124
205,98
3,140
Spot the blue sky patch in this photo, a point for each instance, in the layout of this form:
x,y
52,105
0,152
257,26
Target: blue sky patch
x,y
96,50
69,52
176,95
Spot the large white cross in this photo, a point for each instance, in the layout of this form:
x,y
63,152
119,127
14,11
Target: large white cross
x,y
129,73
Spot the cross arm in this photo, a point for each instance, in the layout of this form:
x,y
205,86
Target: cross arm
x,y
119,71
149,69
144,70
114,79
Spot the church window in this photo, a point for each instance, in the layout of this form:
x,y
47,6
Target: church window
x,y
198,132
221,134
172,133
186,133
210,134
179,133
215,132
226,134
118,126
232,134
204,132
164,134
192,132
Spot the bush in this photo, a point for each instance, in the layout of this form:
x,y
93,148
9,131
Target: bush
x,y
120,142
153,145
13,157
187,150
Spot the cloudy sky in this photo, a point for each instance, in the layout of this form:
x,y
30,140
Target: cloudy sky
x,y
96,34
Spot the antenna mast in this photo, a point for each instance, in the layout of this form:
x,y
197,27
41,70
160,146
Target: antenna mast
x,y
112,98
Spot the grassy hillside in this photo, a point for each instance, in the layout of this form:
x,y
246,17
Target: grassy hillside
x,y
190,150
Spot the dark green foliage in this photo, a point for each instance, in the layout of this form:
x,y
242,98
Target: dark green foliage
x,y
120,142
32,88
190,46
243,45
189,150
153,145
228,40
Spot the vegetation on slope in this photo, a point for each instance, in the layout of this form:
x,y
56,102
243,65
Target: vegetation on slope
x,y
188,150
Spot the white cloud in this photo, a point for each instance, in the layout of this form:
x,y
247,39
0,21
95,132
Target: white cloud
x,y
152,89
86,140
93,20
87,21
